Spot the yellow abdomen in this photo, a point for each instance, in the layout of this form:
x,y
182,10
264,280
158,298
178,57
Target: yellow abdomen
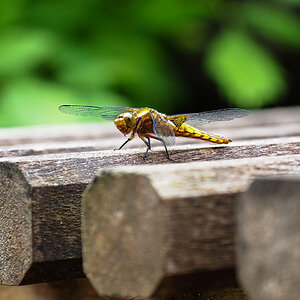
x,y
186,130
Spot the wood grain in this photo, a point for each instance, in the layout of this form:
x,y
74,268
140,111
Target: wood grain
x,y
268,240
40,197
141,225
178,225
112,139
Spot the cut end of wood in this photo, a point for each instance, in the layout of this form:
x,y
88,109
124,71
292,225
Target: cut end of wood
x,y
122,235
268,240
15,226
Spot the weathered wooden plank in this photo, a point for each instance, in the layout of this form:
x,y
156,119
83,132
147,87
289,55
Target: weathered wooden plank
x,y
268,240
143,225
283,118
289,131
110,144
46,133
40,203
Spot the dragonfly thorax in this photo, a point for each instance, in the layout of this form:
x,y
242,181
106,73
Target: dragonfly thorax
x,y
125,122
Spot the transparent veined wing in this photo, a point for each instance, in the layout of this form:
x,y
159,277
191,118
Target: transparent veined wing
x,y
199,119
106,112
162,129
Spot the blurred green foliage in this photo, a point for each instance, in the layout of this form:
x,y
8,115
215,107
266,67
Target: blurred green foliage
x,y
245,82
99,52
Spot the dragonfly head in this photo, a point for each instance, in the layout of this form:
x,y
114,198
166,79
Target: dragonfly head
x,y
125,122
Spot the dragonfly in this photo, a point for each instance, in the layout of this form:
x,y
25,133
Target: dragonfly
x,y
148,123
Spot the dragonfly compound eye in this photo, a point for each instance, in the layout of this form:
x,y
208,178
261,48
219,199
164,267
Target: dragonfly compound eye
x,y
129,119
125,122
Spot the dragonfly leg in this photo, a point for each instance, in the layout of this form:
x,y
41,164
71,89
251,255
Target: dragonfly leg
x,y
129,139
146,153
124,144
148,148
167,153
147,144
164,143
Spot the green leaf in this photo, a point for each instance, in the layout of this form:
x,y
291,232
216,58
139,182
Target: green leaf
x,y
23,49
276,24
245,72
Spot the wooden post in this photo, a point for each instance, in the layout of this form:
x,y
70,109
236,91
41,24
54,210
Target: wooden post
x,y
142,226
268,240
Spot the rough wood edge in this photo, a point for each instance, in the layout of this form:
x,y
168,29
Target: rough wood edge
x,y
62,167
128,218
15,226
268,249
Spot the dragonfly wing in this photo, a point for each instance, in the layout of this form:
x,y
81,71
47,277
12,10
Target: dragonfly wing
x,y
162,129
226,114
106,112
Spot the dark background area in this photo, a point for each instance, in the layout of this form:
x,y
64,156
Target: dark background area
x,y
173,55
